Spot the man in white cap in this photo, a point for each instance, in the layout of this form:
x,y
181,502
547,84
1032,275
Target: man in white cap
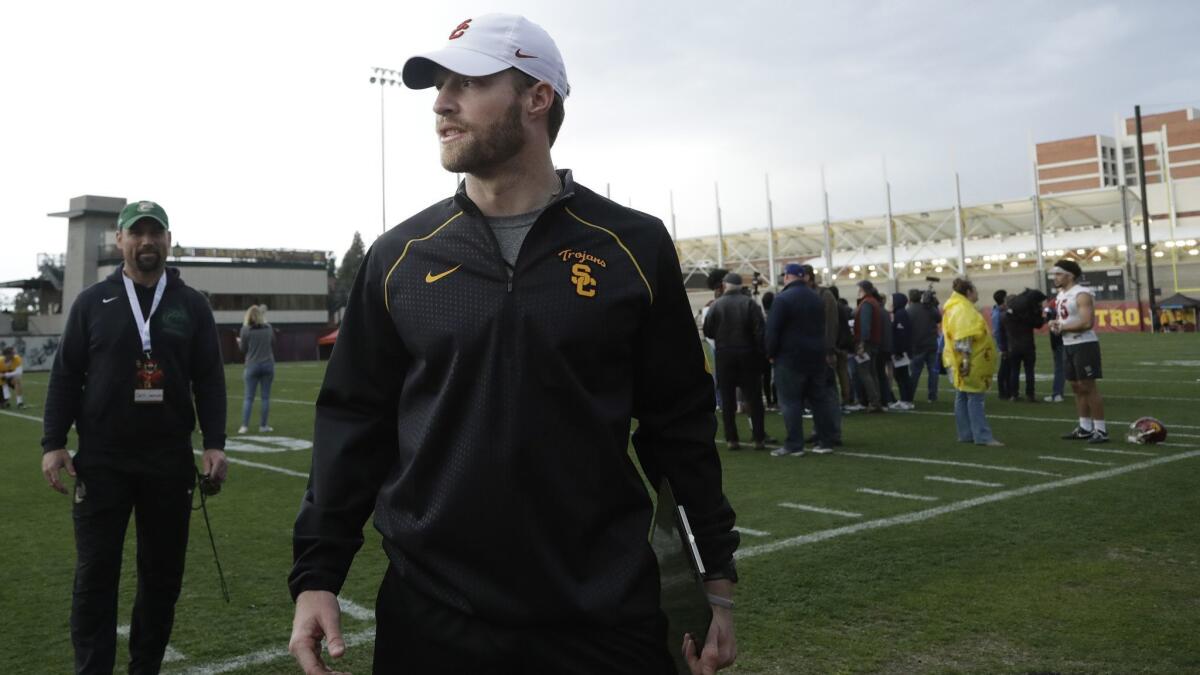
x,y
494,351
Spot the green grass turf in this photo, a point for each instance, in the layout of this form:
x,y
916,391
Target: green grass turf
x,y
1099,576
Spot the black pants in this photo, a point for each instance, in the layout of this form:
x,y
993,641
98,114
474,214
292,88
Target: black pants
x,y
904,383
416,634
1004,376
1016,361
740,369
104,497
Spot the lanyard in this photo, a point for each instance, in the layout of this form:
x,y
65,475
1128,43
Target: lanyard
x,y
143,325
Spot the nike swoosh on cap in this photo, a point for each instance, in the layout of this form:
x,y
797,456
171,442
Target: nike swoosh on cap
x,y
524,56
430,277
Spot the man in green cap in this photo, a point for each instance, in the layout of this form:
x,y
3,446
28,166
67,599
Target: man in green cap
x,y
138,349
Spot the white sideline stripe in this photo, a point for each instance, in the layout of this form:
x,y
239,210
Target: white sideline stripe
x,y
918,516
1061,420
947,462
355,610
898,495
1120,452
259,465
268,655
291,400
818,509
1072,460
24,417
169,656
963,481
752,533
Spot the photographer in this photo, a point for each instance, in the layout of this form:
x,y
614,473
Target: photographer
x,y
924,318
1022,316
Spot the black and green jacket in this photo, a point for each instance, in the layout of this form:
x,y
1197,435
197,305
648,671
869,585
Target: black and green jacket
x,y
486,419
93,378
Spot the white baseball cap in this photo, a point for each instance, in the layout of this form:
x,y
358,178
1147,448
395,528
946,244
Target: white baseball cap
x,y
489,44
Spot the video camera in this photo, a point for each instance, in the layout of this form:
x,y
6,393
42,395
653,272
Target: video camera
x,y
755,282
929,296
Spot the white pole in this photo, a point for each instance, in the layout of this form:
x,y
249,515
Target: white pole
x,y
828,231
671,194
958,222
1040,269
891,241
1131,269
770,235
720,231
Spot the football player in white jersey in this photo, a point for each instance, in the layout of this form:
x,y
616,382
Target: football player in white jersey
x,y
1075,323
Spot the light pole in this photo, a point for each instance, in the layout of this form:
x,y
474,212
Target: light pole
x,y
383,77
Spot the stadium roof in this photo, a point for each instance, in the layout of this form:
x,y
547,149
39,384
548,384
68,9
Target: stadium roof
x,y
1076,221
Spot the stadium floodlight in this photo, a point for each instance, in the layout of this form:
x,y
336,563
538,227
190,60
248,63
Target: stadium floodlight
x,y
1013,264
987,266
1096,258
384,77
1194,252
968,261
1158,254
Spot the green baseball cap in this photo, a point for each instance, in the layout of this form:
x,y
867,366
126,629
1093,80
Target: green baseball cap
x,y
135,211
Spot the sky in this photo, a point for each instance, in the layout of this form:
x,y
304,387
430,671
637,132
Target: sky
x,y
254,124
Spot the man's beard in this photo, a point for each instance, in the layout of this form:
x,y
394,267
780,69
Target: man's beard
x,y
493,145
147,265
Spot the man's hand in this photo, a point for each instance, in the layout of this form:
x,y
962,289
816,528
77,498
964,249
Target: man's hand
x,y
52,463
317,616
215,465
720,649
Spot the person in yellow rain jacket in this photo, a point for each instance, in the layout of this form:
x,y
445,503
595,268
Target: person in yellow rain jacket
x,y
970,354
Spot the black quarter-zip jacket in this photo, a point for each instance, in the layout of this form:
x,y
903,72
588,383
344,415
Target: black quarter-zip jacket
x,y
93,378
486,420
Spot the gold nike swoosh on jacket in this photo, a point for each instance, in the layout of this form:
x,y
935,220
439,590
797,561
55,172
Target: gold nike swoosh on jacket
x,y
430,277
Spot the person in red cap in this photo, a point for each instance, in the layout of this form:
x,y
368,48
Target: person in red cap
x,y
495,349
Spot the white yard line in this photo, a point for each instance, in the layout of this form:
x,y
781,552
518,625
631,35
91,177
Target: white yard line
x,y
752,533
1072,460
897,495
963,481
262,656
946,462
1179,445
818,509
24,417
259,465
1178,435
355,610
170,656
1059,420
919,516
1120,452
293,401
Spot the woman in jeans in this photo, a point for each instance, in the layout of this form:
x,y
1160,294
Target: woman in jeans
x,y
255,342
970,354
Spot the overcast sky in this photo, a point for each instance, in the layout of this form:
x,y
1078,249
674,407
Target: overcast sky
x,y
254,125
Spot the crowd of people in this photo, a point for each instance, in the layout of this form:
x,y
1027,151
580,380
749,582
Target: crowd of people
x,y
821,359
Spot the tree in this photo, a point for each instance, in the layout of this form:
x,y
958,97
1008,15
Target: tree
x,y
348,270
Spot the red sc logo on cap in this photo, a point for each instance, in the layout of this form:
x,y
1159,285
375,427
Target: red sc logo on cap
x,y
460,29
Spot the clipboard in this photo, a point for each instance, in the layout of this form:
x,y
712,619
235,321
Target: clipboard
x,y
683,598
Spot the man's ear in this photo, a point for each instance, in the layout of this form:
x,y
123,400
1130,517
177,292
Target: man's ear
x,y
541,98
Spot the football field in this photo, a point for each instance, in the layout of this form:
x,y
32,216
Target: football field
x,y
905,551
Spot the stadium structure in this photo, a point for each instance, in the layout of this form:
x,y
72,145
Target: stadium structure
x,y
293,284
1087,207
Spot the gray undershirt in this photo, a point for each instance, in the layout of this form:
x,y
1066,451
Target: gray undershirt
x,y
510,234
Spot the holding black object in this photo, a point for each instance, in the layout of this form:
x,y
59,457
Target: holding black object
x,y
139,362
681,575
